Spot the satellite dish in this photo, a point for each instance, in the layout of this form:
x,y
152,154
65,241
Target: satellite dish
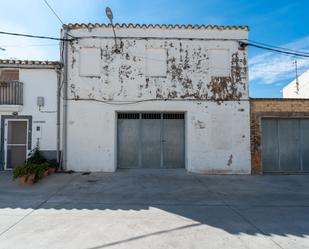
x,y
109,14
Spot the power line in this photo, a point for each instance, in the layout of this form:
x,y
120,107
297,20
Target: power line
x,y
54,12
30,45
281,48
277,50
35,36
297,54
48,5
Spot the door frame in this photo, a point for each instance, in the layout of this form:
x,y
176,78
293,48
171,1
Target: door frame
x,y
4,121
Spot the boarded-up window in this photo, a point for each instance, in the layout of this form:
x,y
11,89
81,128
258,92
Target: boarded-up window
x,y
9,74
156,62
89,61
220,63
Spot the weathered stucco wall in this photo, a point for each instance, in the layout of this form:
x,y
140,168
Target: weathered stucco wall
x,y
212,90
190,70
274,108
217,136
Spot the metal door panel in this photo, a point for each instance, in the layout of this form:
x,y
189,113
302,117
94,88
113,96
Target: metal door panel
x,y
288,132
288,139
270,148
16,144
151,143
128,143
150,140
304,138
173,143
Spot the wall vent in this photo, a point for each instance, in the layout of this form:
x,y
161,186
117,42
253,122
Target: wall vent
x,y
128,115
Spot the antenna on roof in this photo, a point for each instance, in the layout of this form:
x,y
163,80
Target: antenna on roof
x,y
296,76
110,17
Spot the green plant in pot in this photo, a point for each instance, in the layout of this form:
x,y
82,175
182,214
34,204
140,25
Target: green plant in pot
x,y
53,165
41,170
35,168
26,174
36,156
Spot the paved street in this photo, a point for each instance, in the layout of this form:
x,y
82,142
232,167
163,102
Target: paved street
x,y
155,209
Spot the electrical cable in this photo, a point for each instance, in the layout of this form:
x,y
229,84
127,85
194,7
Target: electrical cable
x,y
29,45
57,16
120,102
298,54
35,36
48,5
281,48
281,51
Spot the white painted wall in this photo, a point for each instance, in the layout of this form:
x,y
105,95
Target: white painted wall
x,y
38,82
291,91
191,84
213,133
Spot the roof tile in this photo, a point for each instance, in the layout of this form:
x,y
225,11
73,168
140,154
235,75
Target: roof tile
x,y
159,26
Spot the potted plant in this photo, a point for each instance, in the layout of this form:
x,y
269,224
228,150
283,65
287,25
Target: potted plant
x,y
36,157
35,168
52,166
25,173
41,170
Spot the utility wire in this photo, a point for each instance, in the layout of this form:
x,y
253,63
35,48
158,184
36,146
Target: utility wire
x,y
281,51
281,48
298,54
54,12
48,5
30,45
35,36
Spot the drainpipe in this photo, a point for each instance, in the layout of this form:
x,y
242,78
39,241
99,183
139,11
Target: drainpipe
x,y
58,71
65,102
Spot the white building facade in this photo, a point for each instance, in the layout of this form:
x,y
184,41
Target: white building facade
x,y
298,89
28,110
157,97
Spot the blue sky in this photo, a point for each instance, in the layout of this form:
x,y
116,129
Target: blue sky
x,y
277,22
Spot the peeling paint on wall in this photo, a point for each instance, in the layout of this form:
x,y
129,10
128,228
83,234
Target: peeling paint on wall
x,y
123,75
230,88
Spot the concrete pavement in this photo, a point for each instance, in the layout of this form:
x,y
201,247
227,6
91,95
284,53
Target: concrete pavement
x,y
155,209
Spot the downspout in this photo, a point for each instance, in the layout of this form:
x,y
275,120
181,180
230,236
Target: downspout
x,y
65,101
58,71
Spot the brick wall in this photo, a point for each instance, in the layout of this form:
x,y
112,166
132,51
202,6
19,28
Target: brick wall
x,y
281,108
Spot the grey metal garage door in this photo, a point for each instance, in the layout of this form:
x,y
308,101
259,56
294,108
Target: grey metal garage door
x,y
151,140
285,145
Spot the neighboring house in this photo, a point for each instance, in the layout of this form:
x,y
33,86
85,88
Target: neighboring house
x,y
299,88
280,135
28,105
165,97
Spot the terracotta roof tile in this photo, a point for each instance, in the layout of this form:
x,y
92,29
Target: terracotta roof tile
x,y
29,62
158,26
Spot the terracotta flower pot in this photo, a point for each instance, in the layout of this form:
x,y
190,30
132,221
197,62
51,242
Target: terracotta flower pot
x,y
46,173
24,181
51,170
